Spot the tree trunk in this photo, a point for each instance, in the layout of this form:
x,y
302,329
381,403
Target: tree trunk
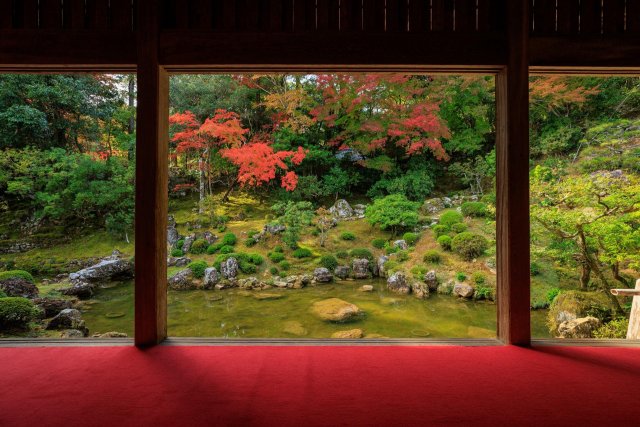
x,y
615,270
202,184
225,198
132,100
585,276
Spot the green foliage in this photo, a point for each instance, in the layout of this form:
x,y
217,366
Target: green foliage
x,y
342,254
445,242
278,248
402,256
534,268
478,278
197,268
552,294
285,265
295,215
378,243
17,312
415,183
449,218
179,244
360,253
440,230
474,209
276,257
469,245
614,329
255,259
226,249
302,253
390,248
212,249
419,272
461,277
347,235
432,256
199,246
177,253
393,212
246,267
338,182
273,270
229,239
484,293
329,261
391,266
16,274
459,227
411,238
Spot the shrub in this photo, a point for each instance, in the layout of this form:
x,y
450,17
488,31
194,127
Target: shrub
x,y
534,269
474,209
449,218
432,256
347,235
440,230
410,238
342,254
316,232
445,242
419,271
229,239
239,256
461,277
212,249
222,228
459,227
402,256
282,274
273,270
16,274
484,292
469,245
361,253
393,212
302,253
199,246
16,312
249,242
252,233
552,294
276,257
177,253
614,329
390,249
390,266
246,267
197,268
378,243
285,265
329,261
478,278
278,249
226,249
255,259
179,244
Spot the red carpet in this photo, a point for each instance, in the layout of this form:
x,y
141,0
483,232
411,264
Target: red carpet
x,y
323,386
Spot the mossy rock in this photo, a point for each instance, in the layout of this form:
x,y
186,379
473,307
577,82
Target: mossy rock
x,y
570,305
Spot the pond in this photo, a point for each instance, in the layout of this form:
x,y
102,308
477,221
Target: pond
x,y
285,313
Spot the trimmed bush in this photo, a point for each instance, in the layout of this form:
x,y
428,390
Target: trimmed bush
x,y
361,253
199,246
226,249
419,271
390,249
378,243
176,253
273,270
197,268
445,242
329,261
342,254
302,253
390,266
278,248
249,242
16,274
179,244
402,256
459,227
285,265
255,259
16,312
229,239
461,277
484,292
246,267
212,249
410,238
347,235
469,245
440,230
276,257
432,256
478,278
474,209
449,218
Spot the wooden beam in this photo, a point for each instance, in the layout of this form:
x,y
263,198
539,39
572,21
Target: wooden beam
x,y
512,177
585,51
151,183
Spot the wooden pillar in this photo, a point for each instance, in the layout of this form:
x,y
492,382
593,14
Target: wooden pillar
x,y
151,183
512,176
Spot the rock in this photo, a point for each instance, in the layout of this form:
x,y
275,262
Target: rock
x,y
294,327
446,288
226,284
582,327
111,334
359,210
52,306
298,282
265,296
182,261
397,282
571,305
431,280
251,283
361,268
274,228
229,268
366,288
110,268
182,280
69,318
211,278
382,259
172,235
188,241
401,244
463,290
80,289
72,333
19,287
342,271
341,209
420,290
209,237
335,310
432,206
350,334
322,275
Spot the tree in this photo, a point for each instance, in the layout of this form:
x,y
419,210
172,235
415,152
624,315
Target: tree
x,y
294,215
337,181
393,212
324,221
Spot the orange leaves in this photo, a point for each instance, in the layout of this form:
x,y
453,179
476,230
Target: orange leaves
x,y
556,91
224,127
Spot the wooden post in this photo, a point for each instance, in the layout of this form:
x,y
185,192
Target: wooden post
x,y
151,183
633,331
512,176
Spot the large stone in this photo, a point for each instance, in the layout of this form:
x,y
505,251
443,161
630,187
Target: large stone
x,y
361,268
571,305
446,288
582,327
111,334
296,281
110,268
251,283
342,271
350,334
420,290
382,259
182,261
463,290
19,287
341,209
52,306
80,289
182,280
188,241
359,210
209,237
322,275
432,206
293,327
401,244
366,288
69,318
335,310
398,283
172,235
229,268
274,228
211,278
431,280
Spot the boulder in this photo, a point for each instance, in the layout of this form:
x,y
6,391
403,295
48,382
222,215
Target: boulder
x,y
366,288
265,296
359,210
211,278
297,282
172,235
69,318
111,334
52,306
342,271
110,268
420,290
432,206
188,241
398,283
401,244
350,334
182,280
446,288
382,259
19,287
335,310
274,228
182,261
209,237
72,333
80,289
571,305
293,327
322,275
341,209
463,290
582,327
226,284
431,280
229,268
251,283
361,268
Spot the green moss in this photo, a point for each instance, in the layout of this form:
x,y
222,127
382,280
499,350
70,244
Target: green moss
x,y
347,235
449,218
226,249
342,254
17,312
276,257
614,329
361,253
432,256
229,239
579,304
474,209
197,268
16,274
302,253
378,243
255,259
176,253
199,246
